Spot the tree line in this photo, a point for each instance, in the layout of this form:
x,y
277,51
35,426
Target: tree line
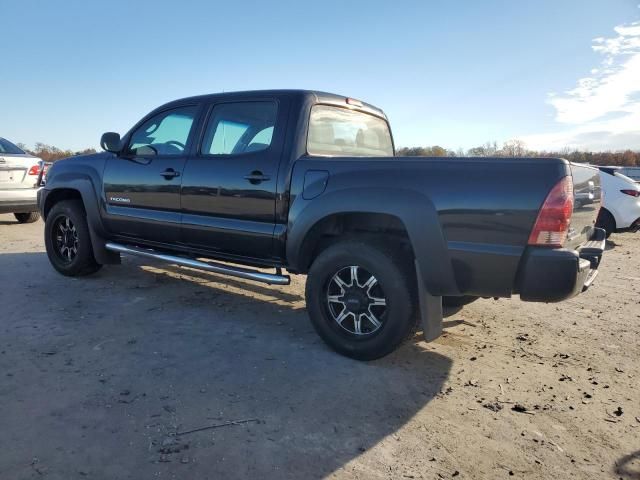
x,y
517,148
49,153
511,148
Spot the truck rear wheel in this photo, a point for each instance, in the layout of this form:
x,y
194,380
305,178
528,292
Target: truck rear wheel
x,y
27,217
67,240
359,300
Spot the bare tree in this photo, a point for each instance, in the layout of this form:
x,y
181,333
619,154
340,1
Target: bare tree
x,y
514,148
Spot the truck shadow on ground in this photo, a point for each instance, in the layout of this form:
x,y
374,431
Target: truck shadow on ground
x,y
628,467
130,356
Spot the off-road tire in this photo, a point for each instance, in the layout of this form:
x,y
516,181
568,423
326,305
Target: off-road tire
x,y
395,277
82,262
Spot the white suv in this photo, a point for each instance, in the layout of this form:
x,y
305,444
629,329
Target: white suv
x,y
19,173
621,202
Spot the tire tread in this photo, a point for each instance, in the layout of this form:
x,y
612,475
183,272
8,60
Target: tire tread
x,y
85,262
27,217
391,264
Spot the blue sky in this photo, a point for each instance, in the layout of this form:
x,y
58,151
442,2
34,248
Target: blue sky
x,y
455,73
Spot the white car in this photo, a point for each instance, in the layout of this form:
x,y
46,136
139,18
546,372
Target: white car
x,y
621,202
19,174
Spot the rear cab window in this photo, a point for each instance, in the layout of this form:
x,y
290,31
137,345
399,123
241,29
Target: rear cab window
x,y
337,131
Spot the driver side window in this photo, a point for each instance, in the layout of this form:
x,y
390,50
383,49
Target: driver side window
x,y
163,134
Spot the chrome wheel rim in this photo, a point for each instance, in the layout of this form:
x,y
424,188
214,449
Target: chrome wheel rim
x,y
356,301
65,239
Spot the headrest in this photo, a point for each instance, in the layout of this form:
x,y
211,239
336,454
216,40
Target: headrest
x,y
322,133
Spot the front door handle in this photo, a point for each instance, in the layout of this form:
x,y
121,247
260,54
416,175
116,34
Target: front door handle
x,y
170,173
257,177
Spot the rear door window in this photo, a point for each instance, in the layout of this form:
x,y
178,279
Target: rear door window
x,y
239,128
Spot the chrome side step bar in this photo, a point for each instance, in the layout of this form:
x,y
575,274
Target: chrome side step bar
x,y
248,274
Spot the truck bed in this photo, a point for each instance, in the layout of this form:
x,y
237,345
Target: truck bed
x,y
486,207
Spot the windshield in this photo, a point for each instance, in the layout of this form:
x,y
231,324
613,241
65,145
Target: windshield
x,y
7,147
336,131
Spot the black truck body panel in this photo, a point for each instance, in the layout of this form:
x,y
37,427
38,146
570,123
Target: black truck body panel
x,y
467,219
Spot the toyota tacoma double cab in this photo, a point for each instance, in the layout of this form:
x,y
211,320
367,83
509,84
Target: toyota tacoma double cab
x,y
308,182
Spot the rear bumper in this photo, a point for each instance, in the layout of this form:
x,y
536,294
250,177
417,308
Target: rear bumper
x,y
552,275
20,200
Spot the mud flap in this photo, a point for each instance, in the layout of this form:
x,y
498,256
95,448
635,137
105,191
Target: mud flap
x,y
430,309
100,253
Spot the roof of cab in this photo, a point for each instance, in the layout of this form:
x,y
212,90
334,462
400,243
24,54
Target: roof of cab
x,y
315,95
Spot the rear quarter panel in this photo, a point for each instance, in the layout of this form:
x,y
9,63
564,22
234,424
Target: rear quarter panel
x,y
468,218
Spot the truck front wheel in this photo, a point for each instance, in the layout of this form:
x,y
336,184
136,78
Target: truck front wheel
x,y
67,240
359,299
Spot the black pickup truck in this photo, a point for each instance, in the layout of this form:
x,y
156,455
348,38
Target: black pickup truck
x,y
308,182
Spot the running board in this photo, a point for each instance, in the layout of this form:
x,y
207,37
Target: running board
x,y
271,279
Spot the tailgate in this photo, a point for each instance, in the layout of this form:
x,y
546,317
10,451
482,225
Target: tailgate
x,y
587,201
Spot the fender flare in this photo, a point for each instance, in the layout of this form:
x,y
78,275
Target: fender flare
x,y
416,212
82,181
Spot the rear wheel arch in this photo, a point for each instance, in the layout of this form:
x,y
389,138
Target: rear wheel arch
x,y
370,227
413,217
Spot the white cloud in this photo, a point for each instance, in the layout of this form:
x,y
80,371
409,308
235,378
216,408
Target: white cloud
x,y
603,110
619,133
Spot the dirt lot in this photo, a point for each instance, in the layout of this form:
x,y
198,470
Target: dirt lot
x,y
99,374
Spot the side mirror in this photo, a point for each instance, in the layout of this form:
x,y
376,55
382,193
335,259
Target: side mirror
x,y
110,142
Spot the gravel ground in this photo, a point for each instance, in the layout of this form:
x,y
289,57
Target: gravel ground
x,y
105,377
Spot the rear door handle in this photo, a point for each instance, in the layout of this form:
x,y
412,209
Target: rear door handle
x,y
170,173
257,177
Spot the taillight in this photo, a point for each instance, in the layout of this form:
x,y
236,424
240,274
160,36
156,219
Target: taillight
x,y
35,170
633,193
552,224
